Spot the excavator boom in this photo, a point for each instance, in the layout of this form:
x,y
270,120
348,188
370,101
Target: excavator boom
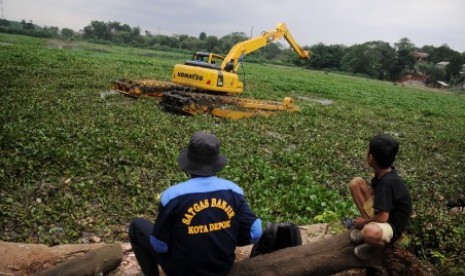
x,y
246,47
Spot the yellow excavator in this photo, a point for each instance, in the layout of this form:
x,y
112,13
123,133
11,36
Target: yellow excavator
x,y
209,83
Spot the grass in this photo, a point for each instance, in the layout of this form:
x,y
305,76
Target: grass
x,y
74,162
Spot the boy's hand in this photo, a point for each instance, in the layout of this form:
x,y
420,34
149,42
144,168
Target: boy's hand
x,y
359,222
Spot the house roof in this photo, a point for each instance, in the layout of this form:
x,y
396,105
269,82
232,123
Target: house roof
x,y
420,55
443,83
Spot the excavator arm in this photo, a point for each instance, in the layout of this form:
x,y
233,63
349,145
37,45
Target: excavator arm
x,y
238,51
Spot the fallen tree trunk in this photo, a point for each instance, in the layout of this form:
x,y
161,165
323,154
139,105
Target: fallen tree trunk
x,y
102,260
69,259
320,254
327,257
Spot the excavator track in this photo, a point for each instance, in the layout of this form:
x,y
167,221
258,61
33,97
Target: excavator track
x,y
186,100
233,107
151,88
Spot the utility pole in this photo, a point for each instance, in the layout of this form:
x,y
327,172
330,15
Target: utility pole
x,y
251,32
1,6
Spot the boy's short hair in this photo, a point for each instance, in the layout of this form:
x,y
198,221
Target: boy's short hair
x,y
383,148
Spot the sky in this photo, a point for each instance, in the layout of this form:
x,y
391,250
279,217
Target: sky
x,y
348,22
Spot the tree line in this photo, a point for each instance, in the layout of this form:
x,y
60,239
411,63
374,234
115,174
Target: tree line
x,y
374,59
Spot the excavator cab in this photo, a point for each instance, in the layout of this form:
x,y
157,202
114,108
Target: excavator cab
x,y
205,60
208,57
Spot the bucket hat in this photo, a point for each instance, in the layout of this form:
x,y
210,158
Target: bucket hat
x,y
202,156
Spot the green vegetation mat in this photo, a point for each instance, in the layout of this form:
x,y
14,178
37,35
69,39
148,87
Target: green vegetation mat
x,y
75,161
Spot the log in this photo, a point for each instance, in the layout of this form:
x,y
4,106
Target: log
x,y
102,260
327,257
322,253
33,259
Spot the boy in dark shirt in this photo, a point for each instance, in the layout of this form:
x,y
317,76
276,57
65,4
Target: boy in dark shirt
x,y
200,221
385,205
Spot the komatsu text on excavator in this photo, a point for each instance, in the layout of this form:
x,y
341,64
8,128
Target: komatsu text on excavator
x,y
209,83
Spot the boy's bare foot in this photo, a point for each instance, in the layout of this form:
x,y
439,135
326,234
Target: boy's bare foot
x,y
365,252
355,236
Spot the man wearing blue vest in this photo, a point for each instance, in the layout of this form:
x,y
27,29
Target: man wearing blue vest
x,y
200,221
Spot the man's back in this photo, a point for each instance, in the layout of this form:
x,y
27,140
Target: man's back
x,y
202,220
199,221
